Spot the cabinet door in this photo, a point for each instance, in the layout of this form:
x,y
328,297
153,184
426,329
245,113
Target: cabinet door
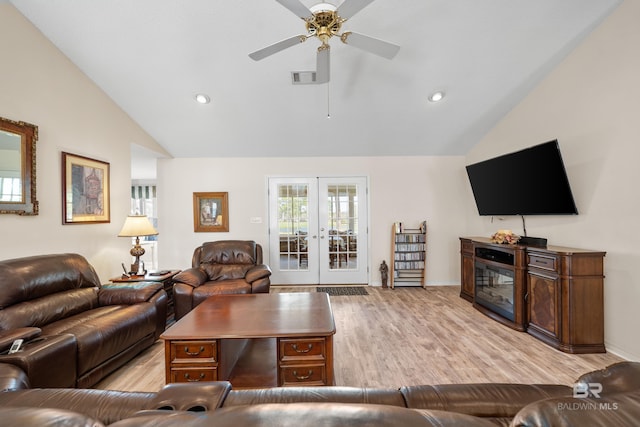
x,y
544,303
467,286
467,281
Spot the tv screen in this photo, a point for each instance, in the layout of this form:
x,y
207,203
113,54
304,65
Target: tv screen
x,y
532,181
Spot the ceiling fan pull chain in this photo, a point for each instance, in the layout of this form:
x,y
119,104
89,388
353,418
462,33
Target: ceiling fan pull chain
x,y
328,103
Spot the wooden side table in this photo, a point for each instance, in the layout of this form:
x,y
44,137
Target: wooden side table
x,y
155,276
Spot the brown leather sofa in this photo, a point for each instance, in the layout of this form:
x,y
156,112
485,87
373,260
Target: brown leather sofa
x,y
221,267
75,330
611,398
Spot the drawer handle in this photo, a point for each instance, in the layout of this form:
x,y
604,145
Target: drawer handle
x,y
302,350
193,353
303,377
188,377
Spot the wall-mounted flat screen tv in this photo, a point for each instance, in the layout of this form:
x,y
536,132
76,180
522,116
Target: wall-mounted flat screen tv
x,y
532,181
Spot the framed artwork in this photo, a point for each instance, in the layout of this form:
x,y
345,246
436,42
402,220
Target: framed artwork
x,y
85,190
210,212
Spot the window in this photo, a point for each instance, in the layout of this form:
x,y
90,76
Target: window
x,y
10,189
144,202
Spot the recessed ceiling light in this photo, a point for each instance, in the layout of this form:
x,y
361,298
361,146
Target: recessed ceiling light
x,y
436,96
202,98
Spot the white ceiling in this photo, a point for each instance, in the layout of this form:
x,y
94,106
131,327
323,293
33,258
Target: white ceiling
x,y
152,56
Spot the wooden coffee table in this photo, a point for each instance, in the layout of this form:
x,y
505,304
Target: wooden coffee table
x,y
254,340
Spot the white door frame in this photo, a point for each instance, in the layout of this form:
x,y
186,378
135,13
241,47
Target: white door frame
x,y
321,263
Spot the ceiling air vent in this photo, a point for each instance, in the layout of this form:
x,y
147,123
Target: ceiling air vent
x,y
303,77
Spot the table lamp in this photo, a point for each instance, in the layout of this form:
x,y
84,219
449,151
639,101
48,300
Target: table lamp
x,y
136,226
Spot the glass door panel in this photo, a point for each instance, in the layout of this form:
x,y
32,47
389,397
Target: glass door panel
x,y
293,226
342,212
292,213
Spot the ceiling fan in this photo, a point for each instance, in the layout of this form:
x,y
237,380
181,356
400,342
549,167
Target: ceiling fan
x,y
324,21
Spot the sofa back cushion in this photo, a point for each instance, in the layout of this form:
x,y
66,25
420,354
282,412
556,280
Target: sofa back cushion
x,y
39,289
226,252
227,259
217,272
42,311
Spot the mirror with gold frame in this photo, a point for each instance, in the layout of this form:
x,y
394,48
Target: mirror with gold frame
x,y
18,167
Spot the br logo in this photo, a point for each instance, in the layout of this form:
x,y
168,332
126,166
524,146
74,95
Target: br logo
x,y
582,390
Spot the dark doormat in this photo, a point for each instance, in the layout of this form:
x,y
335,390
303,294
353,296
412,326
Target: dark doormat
x,y
343,290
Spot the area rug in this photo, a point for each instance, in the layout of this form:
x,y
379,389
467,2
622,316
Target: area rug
x,y
343,290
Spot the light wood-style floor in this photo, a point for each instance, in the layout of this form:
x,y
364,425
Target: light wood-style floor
x,y
408,336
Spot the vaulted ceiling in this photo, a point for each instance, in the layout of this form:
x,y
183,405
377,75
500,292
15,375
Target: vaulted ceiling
x,y
153,56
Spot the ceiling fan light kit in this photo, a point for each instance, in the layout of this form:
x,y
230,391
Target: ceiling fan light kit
x,y
324,21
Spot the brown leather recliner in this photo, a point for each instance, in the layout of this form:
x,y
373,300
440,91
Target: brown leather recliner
x,y
221,267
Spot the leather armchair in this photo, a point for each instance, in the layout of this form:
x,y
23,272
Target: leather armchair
x,y
221,267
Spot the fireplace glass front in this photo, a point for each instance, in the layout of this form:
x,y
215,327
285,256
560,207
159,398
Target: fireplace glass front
x,y
494,289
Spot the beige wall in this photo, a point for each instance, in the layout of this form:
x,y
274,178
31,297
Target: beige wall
x,y
591,104
41,86
407,189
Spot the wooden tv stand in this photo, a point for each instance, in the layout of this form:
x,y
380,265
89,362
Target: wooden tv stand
x,y
558,292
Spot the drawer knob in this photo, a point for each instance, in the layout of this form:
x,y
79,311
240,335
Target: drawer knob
x,y
188,377
193,353
303,377
302,350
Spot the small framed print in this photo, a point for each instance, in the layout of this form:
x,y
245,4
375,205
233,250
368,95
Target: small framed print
x,y
85,190
210,212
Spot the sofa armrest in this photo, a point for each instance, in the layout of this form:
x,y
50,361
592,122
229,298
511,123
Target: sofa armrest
x,y
128,293
193,277
8,337
196,397
615,378
12,377
257,272
615,409
490,400
48,361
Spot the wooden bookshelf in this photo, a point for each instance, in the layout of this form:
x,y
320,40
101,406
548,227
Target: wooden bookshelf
x,y
408,255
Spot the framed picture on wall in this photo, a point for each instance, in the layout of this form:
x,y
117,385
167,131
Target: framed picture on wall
x,y
85,190
210,212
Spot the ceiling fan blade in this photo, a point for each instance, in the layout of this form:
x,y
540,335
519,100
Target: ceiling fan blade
x,y
323,64
375,46
297,7
276,47
351,7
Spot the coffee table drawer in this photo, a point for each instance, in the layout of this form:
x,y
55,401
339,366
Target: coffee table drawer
x,y
302,349
194,374
189,350
303,375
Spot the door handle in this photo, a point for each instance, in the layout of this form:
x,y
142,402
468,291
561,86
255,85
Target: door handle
x,y
314,237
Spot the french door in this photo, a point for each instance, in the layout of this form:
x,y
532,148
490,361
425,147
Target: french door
x,y
318,230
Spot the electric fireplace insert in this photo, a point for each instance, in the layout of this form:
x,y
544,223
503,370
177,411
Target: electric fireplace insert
x,y
494,281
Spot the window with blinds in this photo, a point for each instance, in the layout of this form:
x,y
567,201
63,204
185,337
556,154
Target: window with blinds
x,y
144,202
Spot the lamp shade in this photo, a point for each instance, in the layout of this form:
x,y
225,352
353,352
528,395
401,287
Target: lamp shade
x,y
137,225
